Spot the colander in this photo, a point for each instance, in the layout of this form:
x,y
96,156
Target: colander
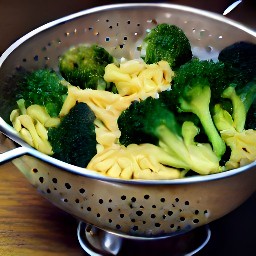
x,y
131,208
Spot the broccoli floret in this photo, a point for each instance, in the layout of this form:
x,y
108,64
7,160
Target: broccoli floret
x,y
218,75
240,103
243,106
231,126
170,101
247,94
203,159
84,66
150,121
166,42
241,57
196,99
196,86
74,140
138,124
43,87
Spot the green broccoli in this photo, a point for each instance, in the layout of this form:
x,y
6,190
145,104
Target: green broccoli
x,y
170,101
166,42
238,110
241,141
197,85
43,87
247,94
150,121
74,140
244,112
84,66
133,127
241,57
219,76
243,107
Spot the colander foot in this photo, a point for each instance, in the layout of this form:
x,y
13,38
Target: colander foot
x,y
98,242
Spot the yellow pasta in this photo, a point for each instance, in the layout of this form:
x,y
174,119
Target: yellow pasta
x,y
133,162
39,113
32,132
32,126
106,106
137,77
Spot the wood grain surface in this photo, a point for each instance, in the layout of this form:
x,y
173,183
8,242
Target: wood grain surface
x,y
29,224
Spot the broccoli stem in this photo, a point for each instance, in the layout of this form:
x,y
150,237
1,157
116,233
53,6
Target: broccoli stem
x,y
184,152
222,119
189,132
248,94
174,145
239,112
198,103
218,144
21,106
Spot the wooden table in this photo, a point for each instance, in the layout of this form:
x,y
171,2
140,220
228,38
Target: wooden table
x,y
30,225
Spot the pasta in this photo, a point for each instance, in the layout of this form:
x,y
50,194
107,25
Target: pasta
x,y
135,76
145,161
32,126
134,80
106,106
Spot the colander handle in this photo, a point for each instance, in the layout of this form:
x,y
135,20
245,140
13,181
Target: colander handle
x,y
13,153
8,151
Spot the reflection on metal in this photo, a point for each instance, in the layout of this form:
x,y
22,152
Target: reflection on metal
x,y
98,242
232,7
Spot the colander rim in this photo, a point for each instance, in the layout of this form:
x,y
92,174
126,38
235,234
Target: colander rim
x,y
9,131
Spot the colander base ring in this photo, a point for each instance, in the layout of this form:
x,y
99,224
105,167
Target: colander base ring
x,y
98,242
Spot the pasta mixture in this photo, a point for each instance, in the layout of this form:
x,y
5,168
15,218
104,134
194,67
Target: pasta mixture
x,y
166,115
134,80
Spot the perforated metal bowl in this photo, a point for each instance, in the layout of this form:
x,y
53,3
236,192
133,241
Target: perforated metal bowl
x,y
129,207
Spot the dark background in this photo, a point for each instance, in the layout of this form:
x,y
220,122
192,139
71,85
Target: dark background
x,y
233,234
18,17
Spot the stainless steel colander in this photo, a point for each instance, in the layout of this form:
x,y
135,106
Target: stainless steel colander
x,y
137,208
